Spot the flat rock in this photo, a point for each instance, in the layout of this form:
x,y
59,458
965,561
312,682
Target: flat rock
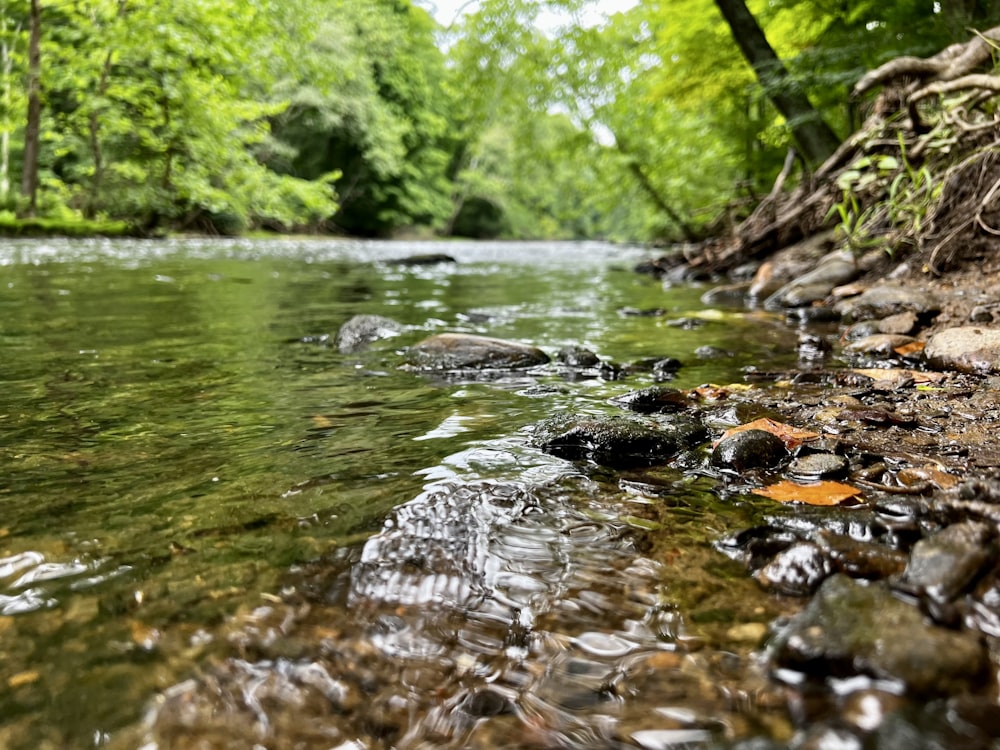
x,y
618,442
464,351
888,299
943,565
903,323
851,628
361,330
966,348
814,285
882,344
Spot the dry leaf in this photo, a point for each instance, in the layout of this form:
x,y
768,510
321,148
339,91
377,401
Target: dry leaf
x,y
792,437
912,348
23,678
815,493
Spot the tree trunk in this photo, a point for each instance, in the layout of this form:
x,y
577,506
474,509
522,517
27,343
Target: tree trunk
x,y
33,126
815,138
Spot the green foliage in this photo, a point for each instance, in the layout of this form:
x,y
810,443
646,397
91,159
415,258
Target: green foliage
x,y
365,116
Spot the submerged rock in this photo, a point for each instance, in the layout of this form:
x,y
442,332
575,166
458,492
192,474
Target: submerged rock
x,y
850,628
967,349
361,330
458,351
424,259
619,442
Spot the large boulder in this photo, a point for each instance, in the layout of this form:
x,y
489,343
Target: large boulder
x,y
966,348
852,628
464,351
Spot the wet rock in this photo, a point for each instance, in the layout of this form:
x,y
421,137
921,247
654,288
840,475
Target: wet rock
x,y
653,400
809,315
635,312
880,344
424,259
729,295
860,559
457,351
850,628
796,571
666,368
361,330
902,324
577,356
942,566
749,449
967,349
815,285
815,466
711,352
618,442
889,299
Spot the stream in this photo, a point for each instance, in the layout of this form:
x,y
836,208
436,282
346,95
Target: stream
x,y
220,531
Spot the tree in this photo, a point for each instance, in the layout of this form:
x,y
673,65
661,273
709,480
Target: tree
x,y
815,138
32,129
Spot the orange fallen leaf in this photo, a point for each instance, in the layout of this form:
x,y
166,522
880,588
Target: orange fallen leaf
x,y
321,423
792,437
912,348
816,493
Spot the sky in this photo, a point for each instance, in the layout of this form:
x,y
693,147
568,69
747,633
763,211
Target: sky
x,y
446,11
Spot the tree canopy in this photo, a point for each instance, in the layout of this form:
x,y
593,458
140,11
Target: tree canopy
x,y
368,117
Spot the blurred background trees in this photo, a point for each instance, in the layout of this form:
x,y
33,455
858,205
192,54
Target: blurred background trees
x,y
369,117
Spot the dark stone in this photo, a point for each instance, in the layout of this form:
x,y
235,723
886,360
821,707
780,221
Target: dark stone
x,y
666,368
796,571
749,449
729,295
942,566
483,703
860,559
813,466
653,400
578,356
424,259
850,628
619,442
361,330
457,351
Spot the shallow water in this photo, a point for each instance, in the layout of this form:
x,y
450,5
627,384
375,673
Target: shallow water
x,y
216,525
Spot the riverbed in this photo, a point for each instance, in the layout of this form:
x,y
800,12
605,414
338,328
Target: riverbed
x,y
220,528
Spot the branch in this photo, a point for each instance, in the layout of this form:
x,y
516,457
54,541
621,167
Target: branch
x,y
952,62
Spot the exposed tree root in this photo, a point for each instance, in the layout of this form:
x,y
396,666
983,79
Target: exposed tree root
x,y
922,173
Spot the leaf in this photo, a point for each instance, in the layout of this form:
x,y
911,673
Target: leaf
x,y
792,437
817,493
914,347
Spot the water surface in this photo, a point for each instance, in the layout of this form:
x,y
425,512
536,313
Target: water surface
x,y
188,460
